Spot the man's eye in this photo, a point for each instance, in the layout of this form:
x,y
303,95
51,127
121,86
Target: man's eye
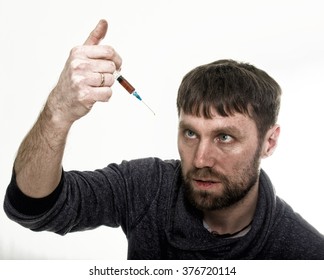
x,y
190,134
225,138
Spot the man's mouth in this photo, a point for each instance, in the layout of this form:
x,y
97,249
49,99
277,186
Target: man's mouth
x,y
205,183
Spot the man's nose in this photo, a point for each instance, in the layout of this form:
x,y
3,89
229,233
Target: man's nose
x,y
204,156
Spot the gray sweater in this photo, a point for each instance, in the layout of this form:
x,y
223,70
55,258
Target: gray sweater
x,y
145,197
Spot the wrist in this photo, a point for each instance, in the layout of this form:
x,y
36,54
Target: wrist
x,y
55,114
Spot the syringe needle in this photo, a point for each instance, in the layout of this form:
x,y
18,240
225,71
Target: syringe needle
x,y
148,107
140,99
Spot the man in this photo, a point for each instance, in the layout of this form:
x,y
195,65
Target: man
x,y
216,203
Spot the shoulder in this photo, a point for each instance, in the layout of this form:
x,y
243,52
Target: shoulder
x,y
295,221
147,166
148,174
298,238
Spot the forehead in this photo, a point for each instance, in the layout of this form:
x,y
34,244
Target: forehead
x,y
237,122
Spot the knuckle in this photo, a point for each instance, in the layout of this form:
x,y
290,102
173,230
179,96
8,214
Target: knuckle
x,y
110,50
75,51
77,64
75,81
84,95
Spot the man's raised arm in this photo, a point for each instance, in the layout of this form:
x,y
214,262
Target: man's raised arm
x,y
86,78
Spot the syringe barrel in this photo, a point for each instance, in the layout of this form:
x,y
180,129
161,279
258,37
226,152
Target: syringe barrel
x,y
126,85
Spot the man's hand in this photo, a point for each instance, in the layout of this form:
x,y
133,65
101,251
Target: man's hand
x,y
80,84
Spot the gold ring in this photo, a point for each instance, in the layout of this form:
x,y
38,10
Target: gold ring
x,y
102,80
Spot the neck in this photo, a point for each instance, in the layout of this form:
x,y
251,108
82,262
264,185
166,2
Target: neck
x,y
235,218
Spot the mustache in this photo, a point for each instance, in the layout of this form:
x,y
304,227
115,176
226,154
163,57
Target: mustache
x,y
204,173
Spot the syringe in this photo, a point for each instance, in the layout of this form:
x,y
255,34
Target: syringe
x,y
126,85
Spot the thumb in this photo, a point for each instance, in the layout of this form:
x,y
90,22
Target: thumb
x,y
98,33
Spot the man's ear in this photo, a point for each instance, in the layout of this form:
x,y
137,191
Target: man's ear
x,y
270,141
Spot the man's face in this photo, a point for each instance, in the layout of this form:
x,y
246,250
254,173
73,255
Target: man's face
x,y
220,158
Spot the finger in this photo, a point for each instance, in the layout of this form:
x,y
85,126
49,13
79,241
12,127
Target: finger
x,y
101,94
99,52
104,52
102,66
100,80
98,33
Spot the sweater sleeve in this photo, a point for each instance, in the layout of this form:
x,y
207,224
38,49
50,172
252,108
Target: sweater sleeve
x,y
117,195
28,205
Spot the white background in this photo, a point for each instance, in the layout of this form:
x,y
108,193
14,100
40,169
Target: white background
x,y
159,41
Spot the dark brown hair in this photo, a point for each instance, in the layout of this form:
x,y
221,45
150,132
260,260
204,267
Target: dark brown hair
x,y
231,87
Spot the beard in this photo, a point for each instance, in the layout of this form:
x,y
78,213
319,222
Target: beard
x,y
235,187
